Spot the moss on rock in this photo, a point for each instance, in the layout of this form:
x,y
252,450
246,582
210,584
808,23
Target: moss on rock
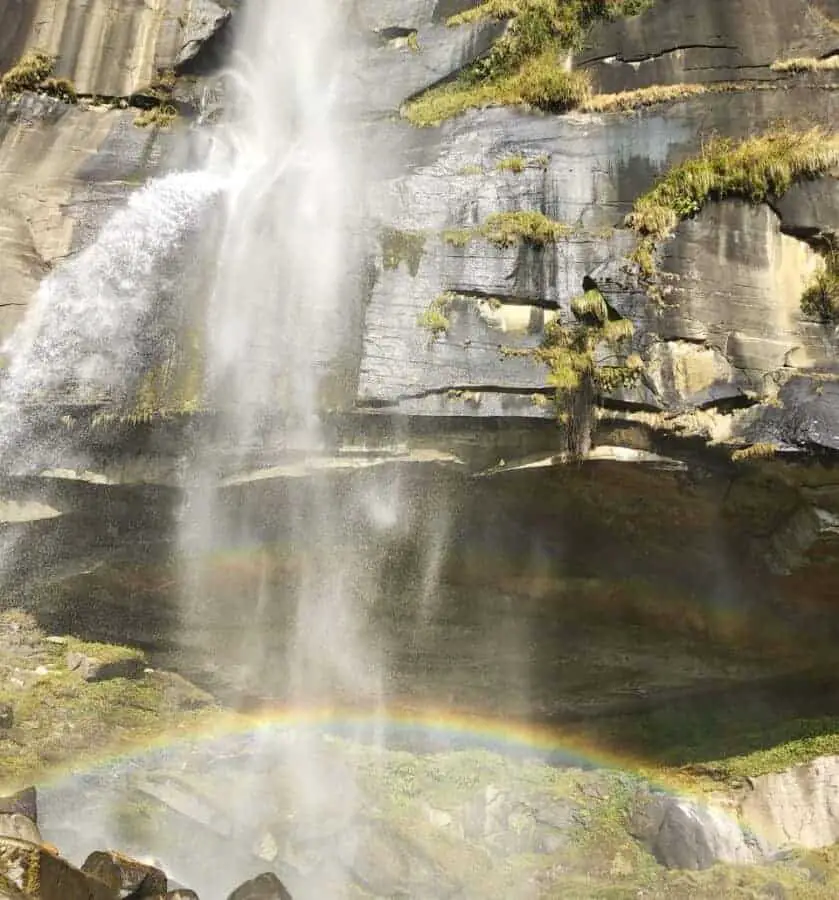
x,y
59,718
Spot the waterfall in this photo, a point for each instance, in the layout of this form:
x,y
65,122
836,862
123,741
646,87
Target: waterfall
x,y
300,629
82,338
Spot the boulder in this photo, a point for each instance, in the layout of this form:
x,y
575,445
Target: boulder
x,y
92,669
34,871
19,826
264,887
126,874
798,806
682,834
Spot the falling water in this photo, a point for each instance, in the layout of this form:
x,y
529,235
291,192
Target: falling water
x,y
83,338
276,315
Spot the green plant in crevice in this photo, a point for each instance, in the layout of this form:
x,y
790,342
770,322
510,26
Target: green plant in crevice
x,y
821,296
515,164
505,229
435,318
527,64
160,116
402,246
754,169
585,360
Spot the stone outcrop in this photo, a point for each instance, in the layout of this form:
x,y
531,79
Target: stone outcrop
x,y
109,50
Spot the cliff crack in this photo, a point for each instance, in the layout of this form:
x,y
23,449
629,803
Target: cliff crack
x,y
642,59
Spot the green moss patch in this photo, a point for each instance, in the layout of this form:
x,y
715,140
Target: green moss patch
x,y
402,246
59,718
528,64
505,229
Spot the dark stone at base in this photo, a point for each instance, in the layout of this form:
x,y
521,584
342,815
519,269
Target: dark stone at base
x,y
264,887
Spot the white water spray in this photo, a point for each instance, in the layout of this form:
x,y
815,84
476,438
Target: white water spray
x,y
81,340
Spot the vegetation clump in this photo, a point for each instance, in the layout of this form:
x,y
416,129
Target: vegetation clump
x,y
160,116
435,319
505,229
515,164
402,246
821,297
755,168
526,65
579,370
754,451
34,72
806,64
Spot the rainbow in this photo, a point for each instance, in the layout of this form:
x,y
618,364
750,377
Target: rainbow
x,y
425,730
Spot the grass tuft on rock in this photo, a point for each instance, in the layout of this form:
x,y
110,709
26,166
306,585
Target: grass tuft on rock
x,y
806,64
529,64
34,72
505,229
158,116
435,319
755,168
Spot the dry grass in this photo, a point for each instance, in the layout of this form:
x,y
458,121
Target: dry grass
x,y
755,451
160,116
754,169
508,228
806,64
649,96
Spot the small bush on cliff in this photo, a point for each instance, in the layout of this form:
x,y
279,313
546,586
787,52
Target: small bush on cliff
x,y
821,297
435,319
34,72
28,73
161,116
578,368
527,65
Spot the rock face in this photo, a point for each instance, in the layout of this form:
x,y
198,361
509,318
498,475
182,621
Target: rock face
x,y
798,806
685,835
684,576
107,50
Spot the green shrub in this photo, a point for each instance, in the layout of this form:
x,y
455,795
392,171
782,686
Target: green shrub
x,y
27,74
161,116
821,297
435,319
